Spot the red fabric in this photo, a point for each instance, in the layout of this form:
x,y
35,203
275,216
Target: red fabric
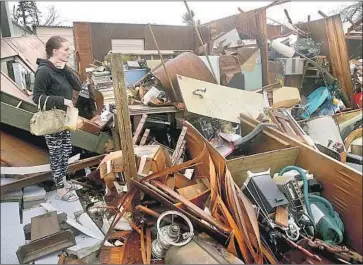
x,y
358,99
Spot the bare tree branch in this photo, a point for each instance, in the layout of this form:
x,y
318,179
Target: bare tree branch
x,y
52,18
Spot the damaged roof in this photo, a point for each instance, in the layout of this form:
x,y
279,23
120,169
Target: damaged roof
x,y
28,48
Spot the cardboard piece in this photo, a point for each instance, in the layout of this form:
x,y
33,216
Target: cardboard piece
x,y
285,97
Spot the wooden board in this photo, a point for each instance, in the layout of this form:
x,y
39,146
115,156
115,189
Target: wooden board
x,y
339,54
192,191
275,160
111,255
19,153
219,102
282,216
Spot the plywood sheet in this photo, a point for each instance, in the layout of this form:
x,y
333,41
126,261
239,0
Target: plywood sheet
x,y
275,160
219,102
19,153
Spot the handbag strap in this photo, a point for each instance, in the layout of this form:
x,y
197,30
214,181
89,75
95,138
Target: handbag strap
x,y
39,109
45,103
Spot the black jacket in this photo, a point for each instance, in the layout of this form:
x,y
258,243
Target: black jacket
x,y
56,83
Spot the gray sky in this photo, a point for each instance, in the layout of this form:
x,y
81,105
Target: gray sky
x,y
171,12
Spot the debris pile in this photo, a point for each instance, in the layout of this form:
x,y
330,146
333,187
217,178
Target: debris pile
x,y
248,150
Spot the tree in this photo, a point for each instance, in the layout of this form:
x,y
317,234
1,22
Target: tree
x,y
27,14
352,12
188,18
52,18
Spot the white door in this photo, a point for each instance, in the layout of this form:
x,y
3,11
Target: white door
x,y
127,44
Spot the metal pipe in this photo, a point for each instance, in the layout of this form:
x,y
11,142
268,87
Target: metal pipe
x,y
200,40
162,61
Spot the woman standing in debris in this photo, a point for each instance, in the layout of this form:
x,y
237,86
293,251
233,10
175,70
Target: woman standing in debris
x,y
55,80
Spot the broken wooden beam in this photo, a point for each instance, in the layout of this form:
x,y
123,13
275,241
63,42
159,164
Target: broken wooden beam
x,y
139,128
144,137
37,178
288,16
123,116
177,152
321,13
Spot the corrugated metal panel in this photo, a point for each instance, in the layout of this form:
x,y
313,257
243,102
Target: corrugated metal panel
x,y
19,31
44,33
127,44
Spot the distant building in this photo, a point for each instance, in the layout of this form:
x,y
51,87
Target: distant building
x,y
45,32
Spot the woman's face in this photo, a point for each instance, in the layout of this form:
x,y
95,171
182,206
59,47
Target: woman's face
x,y
63,53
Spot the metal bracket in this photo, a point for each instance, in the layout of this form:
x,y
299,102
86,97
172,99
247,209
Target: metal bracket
x,y
203,90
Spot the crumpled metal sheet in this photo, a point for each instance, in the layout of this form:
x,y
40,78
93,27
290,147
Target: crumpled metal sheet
x,y
186,64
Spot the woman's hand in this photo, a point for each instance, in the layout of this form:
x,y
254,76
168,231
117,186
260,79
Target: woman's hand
x,y
68,103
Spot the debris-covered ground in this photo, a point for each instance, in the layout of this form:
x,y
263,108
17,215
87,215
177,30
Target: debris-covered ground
x,y
247,150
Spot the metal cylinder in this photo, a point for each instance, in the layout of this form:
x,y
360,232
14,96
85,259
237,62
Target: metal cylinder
x,y
186,64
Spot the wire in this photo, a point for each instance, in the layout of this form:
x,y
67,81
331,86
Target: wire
x,y
311,221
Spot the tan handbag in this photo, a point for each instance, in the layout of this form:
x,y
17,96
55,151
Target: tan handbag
x,y
47,121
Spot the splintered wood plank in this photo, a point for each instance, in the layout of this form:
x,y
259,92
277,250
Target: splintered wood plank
x,y
219,102
282,216
132,251
111,255
139,128
144,137
179,145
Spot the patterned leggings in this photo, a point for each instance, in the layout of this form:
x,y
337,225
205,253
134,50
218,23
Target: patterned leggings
x,y
60,148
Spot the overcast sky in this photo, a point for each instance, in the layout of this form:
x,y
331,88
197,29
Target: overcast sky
x,y
171,12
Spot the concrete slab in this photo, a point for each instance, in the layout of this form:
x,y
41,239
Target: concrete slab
x,y
72,209
85,220
29,213
33,193
85,246
49,259
13,196
12,237
32,204
10,214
